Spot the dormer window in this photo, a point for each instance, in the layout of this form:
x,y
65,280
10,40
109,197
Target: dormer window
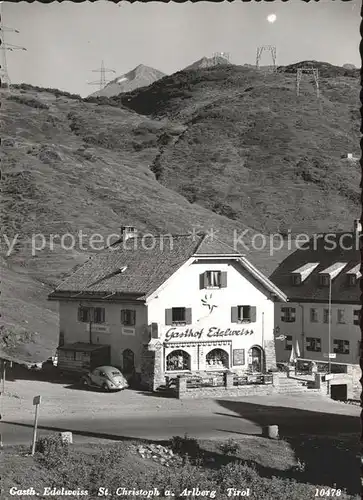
x,y
353,279
324,279
296,279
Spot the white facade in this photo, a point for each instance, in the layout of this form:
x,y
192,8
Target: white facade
x,y
311,321
212,324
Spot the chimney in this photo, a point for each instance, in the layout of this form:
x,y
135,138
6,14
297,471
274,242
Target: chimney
x,y
357,226
128,232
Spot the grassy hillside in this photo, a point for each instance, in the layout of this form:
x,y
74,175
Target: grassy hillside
x,y
253,150
71,166
227,148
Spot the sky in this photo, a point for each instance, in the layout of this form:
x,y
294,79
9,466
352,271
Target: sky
x,y
66,41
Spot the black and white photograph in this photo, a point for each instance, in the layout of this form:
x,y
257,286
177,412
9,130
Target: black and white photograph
x,y
180,250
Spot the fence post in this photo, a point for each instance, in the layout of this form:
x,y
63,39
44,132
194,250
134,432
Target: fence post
x,y
181,387
229,380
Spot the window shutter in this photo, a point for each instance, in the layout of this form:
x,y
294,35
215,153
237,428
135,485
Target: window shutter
x,y
122,316
168,316
223,279
234,314
188,316
253,314
133,317
80,318
202,280
154,331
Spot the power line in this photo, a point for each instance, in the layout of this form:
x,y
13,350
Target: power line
x,y
102,81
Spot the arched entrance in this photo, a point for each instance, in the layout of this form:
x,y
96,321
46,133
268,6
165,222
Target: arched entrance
x,y
128,361
178,360
255,359
217,358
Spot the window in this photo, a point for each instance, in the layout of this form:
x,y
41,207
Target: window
x,y
326,315
178,360
313,344
324,279
288,314
91,314
288,343
213,279
246,314
296,279
341,316
352,279
178,316
99,315
84,314
128,317
341,346
78,356
357,317
313,315
217,358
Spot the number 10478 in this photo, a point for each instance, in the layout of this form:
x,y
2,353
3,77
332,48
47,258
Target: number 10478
x,y
327,492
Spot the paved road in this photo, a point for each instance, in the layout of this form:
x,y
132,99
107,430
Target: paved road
x,y
235,419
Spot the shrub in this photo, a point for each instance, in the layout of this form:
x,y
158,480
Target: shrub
x,y
229,447
186,446
52,451
28,101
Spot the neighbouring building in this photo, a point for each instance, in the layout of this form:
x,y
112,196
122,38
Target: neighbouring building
x,y
321,321
168,305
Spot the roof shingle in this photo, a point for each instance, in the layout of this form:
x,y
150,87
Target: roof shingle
x,y
140,265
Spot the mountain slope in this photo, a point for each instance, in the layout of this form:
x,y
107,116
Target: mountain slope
x,y
141,76
70,167
255,151
207,62
228,148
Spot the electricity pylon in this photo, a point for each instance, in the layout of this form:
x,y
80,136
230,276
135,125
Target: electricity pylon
x,y
102,81
309,70
4,47
272,50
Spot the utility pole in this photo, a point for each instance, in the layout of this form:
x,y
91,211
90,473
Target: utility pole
x,y
102,81
269,48
4,47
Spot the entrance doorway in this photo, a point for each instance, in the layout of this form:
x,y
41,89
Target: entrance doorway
x,y
128,361
255,359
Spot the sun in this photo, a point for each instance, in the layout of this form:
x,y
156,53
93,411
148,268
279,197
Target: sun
x,y
271,18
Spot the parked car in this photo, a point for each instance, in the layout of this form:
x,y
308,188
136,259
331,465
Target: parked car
x,y
107,378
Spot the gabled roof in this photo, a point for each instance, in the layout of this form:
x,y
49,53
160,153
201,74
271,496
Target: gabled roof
x,y
321,250
139,266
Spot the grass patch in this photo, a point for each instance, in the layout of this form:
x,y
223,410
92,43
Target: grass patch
x,y
113,465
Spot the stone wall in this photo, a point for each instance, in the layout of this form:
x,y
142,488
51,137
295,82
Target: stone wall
x,y
356,373
152,375
270,355
228,391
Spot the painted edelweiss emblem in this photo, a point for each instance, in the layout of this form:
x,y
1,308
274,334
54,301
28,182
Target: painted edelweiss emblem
x,y
207,301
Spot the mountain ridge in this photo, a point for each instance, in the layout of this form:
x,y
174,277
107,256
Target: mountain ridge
x,y
140,76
